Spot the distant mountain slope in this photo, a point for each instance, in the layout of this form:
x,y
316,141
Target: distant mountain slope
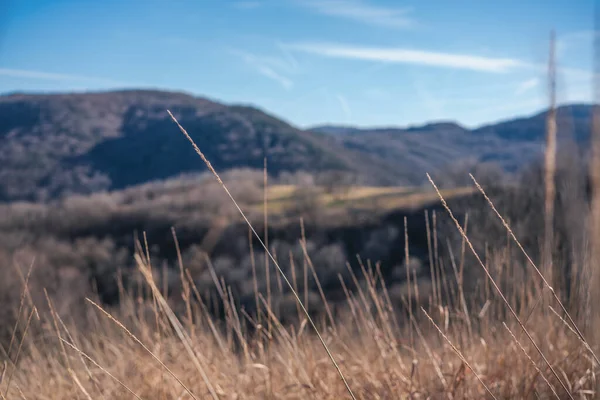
x,y
53,145
512,143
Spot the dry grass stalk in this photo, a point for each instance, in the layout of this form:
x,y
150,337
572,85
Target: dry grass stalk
x,y
498,290
550,173
186,295
21,304
138,341
531,361
537,270
185,339
458,352
408,279
19,349
594,241
317,281
431,263
290,286
81,353
365,342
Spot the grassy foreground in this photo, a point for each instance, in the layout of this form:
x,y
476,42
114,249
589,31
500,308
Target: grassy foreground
x,y
463,352
510,338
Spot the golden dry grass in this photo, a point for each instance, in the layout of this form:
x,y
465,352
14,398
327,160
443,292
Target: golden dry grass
x,y
500,345
373,352
371,198
407,199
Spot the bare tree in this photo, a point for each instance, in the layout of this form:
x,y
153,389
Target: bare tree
x,y
336,183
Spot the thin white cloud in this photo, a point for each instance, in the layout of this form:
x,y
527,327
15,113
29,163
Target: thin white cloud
x,y
268,67
361,11
527,85
290,64
286,83
345,106
287,64
409,56
51,76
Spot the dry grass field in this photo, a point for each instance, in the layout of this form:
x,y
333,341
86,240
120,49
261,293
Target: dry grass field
x,y
461,353
499,342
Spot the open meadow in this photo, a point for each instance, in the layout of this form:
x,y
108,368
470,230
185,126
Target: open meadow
x,y
299,199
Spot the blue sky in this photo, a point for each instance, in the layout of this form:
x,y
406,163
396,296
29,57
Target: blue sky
x,y
359,62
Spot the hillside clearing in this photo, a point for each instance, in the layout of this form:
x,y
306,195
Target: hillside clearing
x,y
283,198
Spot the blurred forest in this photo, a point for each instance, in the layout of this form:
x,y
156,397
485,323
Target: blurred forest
x,y
84,245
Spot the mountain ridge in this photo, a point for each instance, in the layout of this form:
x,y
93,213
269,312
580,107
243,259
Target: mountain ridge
x,y
578,106
511,143
53,145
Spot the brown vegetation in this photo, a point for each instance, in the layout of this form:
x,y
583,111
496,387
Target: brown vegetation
x,y
469,326
471,348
